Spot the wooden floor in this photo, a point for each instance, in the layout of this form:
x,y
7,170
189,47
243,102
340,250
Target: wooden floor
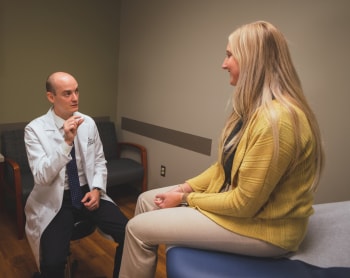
x,y
95,254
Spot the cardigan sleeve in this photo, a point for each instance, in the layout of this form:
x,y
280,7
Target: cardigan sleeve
x,y
258,173
201,182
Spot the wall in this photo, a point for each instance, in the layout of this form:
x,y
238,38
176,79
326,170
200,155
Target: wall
x,y
39,37
170,75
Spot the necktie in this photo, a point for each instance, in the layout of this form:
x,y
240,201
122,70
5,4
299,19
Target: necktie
x,y
73,181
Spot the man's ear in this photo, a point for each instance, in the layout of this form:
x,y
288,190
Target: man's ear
x,y
50,97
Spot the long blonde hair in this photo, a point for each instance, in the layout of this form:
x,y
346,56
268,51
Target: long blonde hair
x,y
266,73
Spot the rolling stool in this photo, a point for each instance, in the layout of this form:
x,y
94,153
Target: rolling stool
x,y
82,228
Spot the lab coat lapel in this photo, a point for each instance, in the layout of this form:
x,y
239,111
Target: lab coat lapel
x,y
82,137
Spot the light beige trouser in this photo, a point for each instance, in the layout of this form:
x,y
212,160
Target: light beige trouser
x,y
182,226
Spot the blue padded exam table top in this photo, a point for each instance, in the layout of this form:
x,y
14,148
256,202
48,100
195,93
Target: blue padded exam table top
x,y
194,263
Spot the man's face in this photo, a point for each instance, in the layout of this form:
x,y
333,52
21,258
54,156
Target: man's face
x,y
65,99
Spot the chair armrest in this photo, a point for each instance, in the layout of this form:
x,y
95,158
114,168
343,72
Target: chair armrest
x,y
13,164
140,148
143,156
17,179
2,162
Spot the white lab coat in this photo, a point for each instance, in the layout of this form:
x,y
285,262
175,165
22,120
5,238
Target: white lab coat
x,y
48,161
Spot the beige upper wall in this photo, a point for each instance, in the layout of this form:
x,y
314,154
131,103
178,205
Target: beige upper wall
x,y
39,37
170,75
171,54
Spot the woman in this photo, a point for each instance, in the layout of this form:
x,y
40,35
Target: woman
x,y
257,198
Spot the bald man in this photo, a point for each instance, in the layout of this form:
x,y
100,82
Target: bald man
x,y
50,211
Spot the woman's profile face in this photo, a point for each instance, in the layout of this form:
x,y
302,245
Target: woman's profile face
x,y
231,65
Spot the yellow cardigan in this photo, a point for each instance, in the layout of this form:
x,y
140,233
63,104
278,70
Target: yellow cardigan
x,y
265,203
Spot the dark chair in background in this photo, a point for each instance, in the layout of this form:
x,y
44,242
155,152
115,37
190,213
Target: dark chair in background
x,y
18,180
126,162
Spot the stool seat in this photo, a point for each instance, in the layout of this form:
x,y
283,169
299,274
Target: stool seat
x,y
82,228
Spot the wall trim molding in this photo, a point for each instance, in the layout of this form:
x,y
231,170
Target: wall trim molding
x,y
174,137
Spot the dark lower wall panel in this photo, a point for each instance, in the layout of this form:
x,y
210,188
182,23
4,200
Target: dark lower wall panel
x,y
181,139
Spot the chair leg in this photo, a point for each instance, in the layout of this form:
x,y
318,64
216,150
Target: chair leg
x,y
144,184
71,266
21,225
20,219
68,272
2,186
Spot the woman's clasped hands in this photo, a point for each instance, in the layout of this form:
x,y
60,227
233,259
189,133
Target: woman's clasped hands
x,y
172,198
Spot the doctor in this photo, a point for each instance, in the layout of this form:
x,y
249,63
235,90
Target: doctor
x,y
49,210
